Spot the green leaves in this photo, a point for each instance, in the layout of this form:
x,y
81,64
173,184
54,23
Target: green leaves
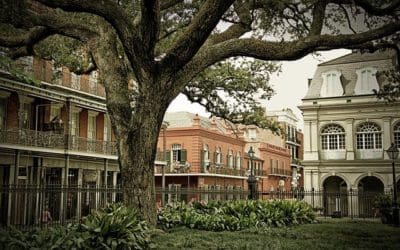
x,y
236,215
114,227
233,89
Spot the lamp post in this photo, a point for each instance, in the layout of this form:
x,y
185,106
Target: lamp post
x,y
163,127
252,181
393,153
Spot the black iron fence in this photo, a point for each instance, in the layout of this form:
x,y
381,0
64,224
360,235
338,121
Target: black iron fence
x,y
27,206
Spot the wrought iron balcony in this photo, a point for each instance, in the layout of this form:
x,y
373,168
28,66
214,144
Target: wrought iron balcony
x,y
52,140
280,172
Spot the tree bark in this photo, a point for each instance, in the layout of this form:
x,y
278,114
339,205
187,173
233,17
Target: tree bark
x,y
137,151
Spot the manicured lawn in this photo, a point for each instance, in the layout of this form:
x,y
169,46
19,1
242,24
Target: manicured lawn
x,y
327,234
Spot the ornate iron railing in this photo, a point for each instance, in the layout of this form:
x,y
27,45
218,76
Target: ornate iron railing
x,y
50,139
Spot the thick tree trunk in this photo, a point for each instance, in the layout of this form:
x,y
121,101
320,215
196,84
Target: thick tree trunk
x,y
137,152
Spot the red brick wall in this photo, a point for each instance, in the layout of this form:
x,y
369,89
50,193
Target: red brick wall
x,y
66,77
84,80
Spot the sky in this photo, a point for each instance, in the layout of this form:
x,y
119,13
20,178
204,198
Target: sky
x,y
290,85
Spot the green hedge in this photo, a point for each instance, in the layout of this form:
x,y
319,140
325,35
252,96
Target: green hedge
x,y
236,215
114,227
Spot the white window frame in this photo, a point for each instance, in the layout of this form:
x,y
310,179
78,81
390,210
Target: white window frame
x,y
368,136
396,134
333,137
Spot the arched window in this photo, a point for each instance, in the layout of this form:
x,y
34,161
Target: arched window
x,y
333,137
230,159
396,135
369,136
238,160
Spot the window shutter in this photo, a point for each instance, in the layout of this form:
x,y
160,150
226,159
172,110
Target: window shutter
x,y
215,157
168,156
183,155
202,152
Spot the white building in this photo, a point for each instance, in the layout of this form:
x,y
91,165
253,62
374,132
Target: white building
x,y
347,129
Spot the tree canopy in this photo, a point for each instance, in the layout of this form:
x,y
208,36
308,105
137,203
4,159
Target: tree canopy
x,y
200,48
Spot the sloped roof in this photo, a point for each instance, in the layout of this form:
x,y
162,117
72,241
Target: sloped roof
x,y
185,119
347,65
360,57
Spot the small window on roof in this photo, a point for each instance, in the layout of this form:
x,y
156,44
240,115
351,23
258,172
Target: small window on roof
x,y
331,84
366,81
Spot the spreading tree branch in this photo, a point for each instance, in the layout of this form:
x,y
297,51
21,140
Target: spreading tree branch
x,y
195,34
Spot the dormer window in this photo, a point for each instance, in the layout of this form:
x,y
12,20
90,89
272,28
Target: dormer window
x,y
252,133
331,85
366,81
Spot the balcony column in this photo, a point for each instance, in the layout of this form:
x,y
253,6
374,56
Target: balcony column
x,y
349,139
105,184
79,205
386,136
11,215
115,174
98,183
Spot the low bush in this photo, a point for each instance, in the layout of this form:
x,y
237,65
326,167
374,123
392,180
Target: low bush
x,y
235,215
114,227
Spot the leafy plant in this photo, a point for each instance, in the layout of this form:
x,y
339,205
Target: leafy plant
x,y
114,227
383,205
235,215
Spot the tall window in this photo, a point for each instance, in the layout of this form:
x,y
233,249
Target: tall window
x,y
238,160
92,127
55,111
230,159
218,156
206,153
75,123
396,135
93,82
332,137
366,81
176,152
369,136
107,128
331,85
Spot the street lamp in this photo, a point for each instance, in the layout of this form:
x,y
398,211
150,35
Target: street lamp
x,y
252,181
164,126
393,153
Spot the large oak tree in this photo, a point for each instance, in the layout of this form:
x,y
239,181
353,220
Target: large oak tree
x,y
149,51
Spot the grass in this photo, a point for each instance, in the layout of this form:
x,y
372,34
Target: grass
x,y
328,234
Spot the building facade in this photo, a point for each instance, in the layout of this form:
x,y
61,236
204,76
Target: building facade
x,y
294,143
53,134
209,154
347,129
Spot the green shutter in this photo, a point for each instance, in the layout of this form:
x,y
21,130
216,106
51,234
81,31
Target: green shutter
x,y
215,158
183,156
202,152
168,156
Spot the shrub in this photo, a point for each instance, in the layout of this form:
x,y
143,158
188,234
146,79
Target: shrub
x,y
114,227
235,215
383,203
